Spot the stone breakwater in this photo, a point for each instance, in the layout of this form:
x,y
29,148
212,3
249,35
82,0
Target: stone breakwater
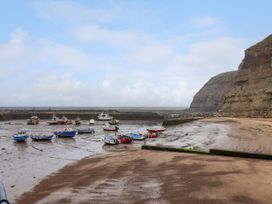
x,y
83,114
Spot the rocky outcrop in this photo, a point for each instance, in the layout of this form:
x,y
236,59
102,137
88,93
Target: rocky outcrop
x,y
251,93
210,96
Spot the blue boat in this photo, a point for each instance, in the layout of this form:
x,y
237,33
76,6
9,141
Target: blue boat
x,y
136,136
20,136
110,140
42,137
66,133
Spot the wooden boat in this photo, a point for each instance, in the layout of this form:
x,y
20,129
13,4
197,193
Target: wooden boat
x,y
91,122
136,136
113,129
114,122
42,137
66,133
34,120
85,131
60,121
77,121
156,129
124,139
20,136
151,135
104,117
110,140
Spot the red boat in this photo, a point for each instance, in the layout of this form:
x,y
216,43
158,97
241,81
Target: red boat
x,y
113,129
124,139
151,135
156,129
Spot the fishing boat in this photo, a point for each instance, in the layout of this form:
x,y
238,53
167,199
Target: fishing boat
x,y
113,121
66,133
124,139
85,131
156,129
77,121
111,128
34,120
136,136
104,117
42,137
54,120
91,122
151,135
20,136
110,140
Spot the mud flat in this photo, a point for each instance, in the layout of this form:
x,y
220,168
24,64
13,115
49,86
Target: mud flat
x,y
143,176
144,180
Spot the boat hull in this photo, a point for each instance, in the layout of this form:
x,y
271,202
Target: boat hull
x,y
20,138
66,133
42,138
136,136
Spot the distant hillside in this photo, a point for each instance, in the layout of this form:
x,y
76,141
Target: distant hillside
x,y
210,97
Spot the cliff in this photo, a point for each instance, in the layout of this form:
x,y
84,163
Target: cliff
x,y
251,92
210,96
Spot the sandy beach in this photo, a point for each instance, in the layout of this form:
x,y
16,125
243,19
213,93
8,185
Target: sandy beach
x,y
132,175
142,176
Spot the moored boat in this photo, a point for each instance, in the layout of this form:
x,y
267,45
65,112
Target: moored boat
x,y
20,136
34,120
42,137
66,133
113,121
91,122
151,135
124,139
156,129
109,128
104,117
85,131
110,140
77,121
136,136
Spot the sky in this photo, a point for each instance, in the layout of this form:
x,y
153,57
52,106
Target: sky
x,y
123,53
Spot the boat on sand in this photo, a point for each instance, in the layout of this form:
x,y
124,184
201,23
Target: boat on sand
x,y
20,136
42,137
110,140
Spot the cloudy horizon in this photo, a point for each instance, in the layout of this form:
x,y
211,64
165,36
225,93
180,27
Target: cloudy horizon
x,y
120,53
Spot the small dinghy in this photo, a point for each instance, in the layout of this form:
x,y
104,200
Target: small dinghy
x,y
151,135
110,140
20,136
114,122
136,136
77,121
42,137
91,122
85,131
124,139
66,133
156,129
113,129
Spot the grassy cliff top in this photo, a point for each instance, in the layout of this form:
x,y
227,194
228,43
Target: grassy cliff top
x,y
223,77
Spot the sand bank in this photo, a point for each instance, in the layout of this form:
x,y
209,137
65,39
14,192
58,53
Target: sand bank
x,y
143,176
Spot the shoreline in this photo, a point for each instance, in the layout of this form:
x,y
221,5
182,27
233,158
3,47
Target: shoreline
x,y
241,130
138,176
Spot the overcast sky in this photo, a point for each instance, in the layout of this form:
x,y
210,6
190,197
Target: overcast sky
x,y
122,53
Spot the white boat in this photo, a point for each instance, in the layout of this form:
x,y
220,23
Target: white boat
x,y
104,117
91,122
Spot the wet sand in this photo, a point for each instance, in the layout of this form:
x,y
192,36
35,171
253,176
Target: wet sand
x,y
139,177
143,176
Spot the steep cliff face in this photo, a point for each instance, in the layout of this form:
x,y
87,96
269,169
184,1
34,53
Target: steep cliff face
x,y
251,92
210,96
